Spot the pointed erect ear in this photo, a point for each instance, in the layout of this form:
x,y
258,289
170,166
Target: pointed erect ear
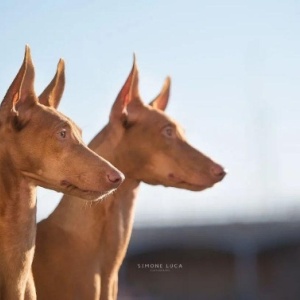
x,y
129,94
21,91
52,94
161,101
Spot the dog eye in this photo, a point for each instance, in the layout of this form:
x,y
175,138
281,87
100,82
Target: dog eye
x,y
62,134
169,132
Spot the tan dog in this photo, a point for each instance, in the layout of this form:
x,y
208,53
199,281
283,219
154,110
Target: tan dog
x,y
81,248
39,146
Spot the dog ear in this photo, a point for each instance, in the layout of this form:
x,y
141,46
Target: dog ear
x,y
21,91
128,96
161,101
52,94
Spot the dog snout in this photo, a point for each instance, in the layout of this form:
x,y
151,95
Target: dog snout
x,y
115,178
217,172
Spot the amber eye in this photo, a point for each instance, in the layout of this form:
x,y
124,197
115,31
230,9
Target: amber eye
x,y
169,132
62,134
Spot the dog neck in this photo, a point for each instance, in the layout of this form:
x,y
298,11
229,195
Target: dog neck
x,y
17,229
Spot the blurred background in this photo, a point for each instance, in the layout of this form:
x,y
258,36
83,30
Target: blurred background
x,y
235,89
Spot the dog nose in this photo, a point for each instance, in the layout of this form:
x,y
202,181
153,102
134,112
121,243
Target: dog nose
x,y
217,171
115,178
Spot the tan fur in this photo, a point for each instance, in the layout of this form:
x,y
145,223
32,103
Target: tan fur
x,y
32,152
80,247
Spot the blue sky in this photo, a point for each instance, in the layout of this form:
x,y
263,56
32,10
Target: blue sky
x,y
235,89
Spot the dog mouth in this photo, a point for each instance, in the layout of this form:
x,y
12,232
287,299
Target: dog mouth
x,y
72,189
189,185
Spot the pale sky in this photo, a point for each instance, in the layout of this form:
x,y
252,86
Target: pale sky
x,y
235,69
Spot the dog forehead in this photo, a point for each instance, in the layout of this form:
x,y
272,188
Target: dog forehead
x,y
49,114
75,126
48,117
161,118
